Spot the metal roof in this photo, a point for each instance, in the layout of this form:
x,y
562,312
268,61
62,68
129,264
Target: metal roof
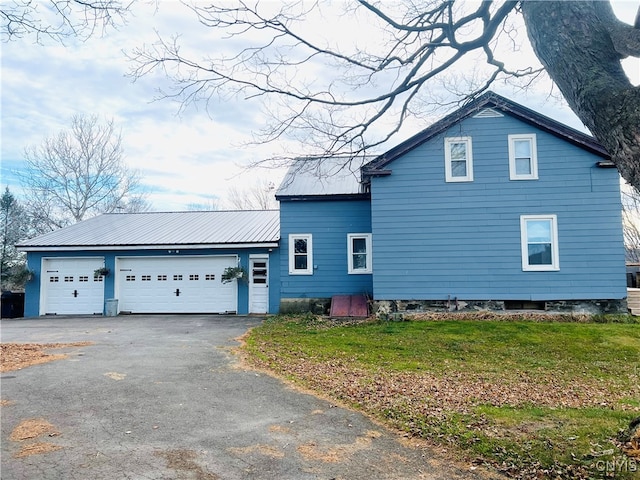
x,y
162,229
328,176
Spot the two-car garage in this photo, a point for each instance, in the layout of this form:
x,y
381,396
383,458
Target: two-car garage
x,y
164,262
191,284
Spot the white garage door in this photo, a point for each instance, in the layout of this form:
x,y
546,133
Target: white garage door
x,y
175,285
68,286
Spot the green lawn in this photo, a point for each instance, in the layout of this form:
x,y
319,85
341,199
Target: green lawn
x,y
530,398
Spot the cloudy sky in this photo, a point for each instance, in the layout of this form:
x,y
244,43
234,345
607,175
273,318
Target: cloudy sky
x,y
186,157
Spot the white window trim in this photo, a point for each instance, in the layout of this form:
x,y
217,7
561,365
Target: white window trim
x,y
555,256
512,157
300,236
369,266
447,156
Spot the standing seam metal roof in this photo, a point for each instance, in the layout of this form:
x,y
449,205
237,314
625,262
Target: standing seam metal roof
x,y
322,177
166,228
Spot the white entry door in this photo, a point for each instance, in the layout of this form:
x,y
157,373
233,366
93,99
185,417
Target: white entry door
x,y
189,284
68,286
258,284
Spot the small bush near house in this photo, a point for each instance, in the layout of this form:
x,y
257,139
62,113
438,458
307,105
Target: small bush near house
x,y
537,399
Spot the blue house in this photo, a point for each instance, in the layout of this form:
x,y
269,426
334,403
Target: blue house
x,y
493,207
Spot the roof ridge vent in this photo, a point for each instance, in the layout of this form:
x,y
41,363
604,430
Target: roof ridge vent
x,y
488,113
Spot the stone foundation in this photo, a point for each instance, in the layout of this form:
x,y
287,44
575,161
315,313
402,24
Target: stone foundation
x,y
589,307
322,306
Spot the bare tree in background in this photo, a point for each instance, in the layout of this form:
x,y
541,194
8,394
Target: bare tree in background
x,y
261,196
210,205
378,80
59,19
78,174
631,223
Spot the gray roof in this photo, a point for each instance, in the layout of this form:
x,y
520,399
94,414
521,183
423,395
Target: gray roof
x,y
162,229
322,177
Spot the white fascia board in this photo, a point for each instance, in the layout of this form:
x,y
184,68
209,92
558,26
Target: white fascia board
x,y
97,248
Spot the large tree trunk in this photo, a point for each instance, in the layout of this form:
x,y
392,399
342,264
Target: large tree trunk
x,y
580,44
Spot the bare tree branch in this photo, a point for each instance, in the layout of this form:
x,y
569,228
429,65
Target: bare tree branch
x,y
403,68
59,19
335,118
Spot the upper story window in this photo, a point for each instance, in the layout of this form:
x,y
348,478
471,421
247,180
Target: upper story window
x,y
359,253
523,159
458,159
539,236
300,254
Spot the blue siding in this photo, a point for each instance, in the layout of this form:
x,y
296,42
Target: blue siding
x,y
432,239
34,262
329,222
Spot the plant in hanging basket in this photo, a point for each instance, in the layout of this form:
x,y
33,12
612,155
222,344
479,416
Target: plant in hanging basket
x,y
233,273
101,272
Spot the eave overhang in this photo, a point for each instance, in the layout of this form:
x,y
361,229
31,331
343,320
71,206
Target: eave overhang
x,y
98,248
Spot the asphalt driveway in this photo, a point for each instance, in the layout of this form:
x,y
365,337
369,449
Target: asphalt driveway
x,y
162,397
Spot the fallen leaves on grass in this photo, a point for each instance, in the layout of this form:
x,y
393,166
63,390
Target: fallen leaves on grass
x,y
425,403
15,356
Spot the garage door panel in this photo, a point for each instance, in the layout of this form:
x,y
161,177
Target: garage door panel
x,y
176,285
70,287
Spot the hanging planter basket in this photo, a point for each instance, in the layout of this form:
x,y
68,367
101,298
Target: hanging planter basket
x,y
101,272
234,273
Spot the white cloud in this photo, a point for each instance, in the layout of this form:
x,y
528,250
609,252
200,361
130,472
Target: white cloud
x,y
185,158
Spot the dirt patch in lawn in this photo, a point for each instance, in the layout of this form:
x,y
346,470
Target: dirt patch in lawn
x,y
16,356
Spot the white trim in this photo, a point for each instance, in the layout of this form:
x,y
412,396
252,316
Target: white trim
x,y
263,288
368,268
102,248
301,236
448,141
524,244
513,175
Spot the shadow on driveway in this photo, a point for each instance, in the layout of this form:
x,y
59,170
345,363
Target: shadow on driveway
x,y
161,397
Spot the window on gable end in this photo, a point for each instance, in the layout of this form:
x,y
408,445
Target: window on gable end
x,y
359,253
458,159
523,157
539,237
300,254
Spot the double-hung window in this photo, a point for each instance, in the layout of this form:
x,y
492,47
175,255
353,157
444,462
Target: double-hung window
x,y
300,254
523,159
458,159
539,237
359,253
